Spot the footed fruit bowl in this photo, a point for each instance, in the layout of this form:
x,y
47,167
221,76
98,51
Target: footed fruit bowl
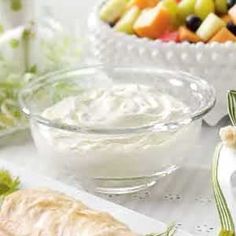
x,y
213,61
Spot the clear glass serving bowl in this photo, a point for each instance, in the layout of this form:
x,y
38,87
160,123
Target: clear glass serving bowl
x,y
121,163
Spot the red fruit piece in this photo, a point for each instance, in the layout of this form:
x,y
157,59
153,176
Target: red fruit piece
x,y
170,36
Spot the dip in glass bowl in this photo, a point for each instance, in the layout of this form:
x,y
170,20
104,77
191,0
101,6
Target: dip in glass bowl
x,y
115,129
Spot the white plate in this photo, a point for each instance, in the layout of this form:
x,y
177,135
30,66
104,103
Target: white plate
x,y
129,217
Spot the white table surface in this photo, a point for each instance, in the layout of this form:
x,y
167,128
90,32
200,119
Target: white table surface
x,y
185,197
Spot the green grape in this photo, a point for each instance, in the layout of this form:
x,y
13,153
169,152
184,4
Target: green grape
x,y
185,8
171,5
221,6
204,7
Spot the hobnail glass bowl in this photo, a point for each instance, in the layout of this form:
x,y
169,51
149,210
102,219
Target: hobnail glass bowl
x,y
215,62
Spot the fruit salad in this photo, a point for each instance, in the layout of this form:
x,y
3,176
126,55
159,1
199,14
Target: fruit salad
x,y
173,20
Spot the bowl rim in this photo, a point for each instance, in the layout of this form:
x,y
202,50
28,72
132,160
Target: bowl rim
x,y
157,127
94,19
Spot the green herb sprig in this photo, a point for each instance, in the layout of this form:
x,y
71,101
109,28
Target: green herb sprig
x,y
8,184
232,106
169,232
16,5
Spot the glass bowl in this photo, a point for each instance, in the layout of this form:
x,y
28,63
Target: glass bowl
x,y
114,158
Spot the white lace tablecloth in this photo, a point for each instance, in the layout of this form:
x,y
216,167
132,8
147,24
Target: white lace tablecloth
x,y
185,197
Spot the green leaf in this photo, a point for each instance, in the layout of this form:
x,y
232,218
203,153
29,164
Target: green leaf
x,y
232,106
16,5
8,184
33,69
1,28
27,34
14,43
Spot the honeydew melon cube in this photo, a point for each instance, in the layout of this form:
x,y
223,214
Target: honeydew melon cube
x,y
112,10
126,23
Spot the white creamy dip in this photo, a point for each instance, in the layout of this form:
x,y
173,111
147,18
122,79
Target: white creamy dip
x,y
120,106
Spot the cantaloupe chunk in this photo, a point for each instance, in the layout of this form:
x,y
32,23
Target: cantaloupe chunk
x,y
226,18
143,3
223,36
152,23
232,13
187,35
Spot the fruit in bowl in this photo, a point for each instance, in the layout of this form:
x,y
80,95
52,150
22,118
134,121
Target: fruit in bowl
x,y
180,47
173,20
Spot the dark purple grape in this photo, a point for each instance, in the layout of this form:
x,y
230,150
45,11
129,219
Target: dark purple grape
x,y
231,27
230,3
193,22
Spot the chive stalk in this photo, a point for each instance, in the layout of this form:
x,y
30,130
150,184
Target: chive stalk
x,y
232,106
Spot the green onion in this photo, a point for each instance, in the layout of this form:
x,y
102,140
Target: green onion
x,y
227,224
232,106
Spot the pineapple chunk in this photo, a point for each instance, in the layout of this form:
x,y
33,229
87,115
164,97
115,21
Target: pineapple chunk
x,y
210,26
